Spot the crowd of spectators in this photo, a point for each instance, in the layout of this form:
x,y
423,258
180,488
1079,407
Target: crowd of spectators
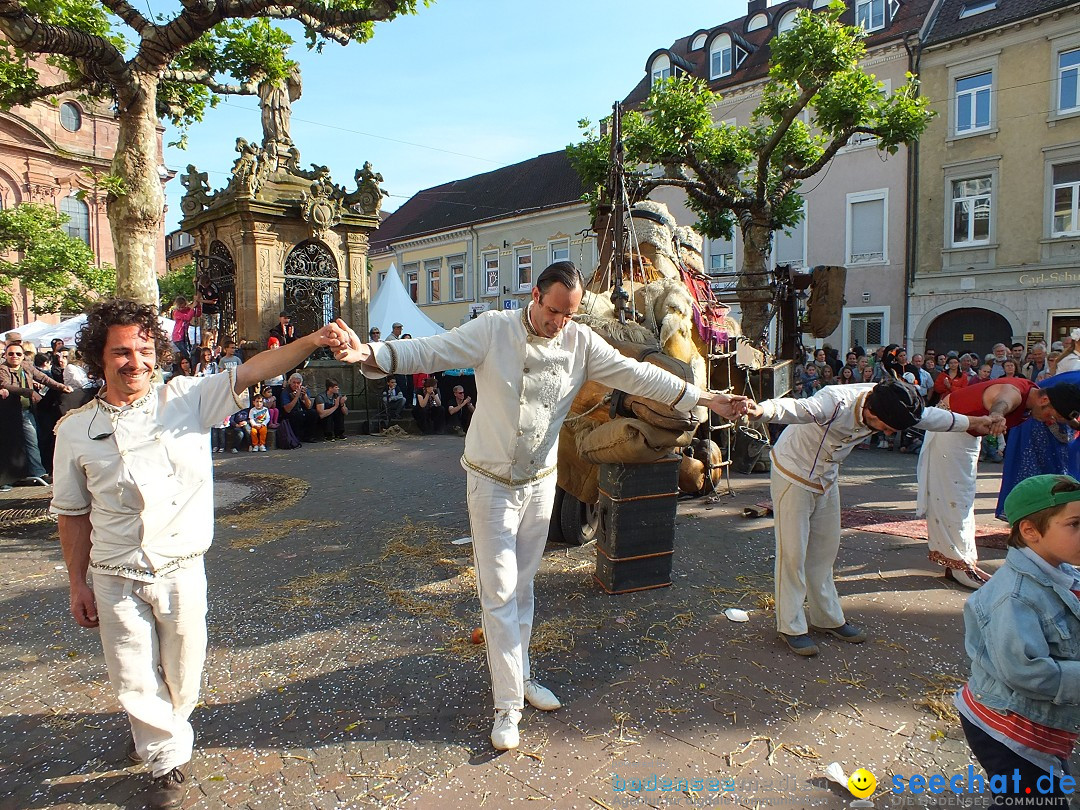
x,y
935,375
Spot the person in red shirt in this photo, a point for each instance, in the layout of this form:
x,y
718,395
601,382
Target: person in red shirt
x,y
947,486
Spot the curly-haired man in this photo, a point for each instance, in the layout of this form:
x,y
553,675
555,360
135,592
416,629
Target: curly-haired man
x,y
133,492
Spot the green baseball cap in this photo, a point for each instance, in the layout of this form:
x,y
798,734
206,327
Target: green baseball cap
x,y
1035,494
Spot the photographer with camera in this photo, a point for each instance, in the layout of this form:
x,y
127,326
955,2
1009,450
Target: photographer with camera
x,y
428,411
299,410
331,409
460,411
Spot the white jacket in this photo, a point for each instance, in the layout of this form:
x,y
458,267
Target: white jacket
x,y
825,429
525,385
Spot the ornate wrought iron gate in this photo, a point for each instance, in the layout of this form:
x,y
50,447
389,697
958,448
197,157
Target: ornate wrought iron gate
x,y
311,281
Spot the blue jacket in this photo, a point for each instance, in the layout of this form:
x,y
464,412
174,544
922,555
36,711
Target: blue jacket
x,y
1022,633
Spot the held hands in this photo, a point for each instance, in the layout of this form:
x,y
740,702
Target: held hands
x,y
726,406
994,424
347,345
754,410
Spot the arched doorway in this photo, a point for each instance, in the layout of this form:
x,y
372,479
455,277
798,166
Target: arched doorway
x,y
311,281
971,329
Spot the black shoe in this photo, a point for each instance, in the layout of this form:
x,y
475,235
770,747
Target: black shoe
x,y
845,632
800,645
168,791
133,753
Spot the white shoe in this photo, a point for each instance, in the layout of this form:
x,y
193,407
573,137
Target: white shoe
x,y
253,449
262,448
504,734
969,579
882,445
540,697
235,450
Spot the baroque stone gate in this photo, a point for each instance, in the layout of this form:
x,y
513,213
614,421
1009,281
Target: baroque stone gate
x,y
279,237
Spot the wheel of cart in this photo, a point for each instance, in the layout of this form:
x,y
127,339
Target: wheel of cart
x,y
572,522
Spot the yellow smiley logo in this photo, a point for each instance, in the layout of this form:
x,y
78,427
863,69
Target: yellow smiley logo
x,y
861,783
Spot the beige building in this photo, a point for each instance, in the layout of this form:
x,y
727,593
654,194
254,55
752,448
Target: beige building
x,y
479,243
49,154
855,212
998,208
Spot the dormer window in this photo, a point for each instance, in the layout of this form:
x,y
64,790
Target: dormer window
x,y
870,14
974,7
661,68
787,22
699,42
720,57
757,21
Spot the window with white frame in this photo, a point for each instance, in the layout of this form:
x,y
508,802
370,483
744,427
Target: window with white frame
x,y
412,280
1068,75
860,139
720,57
1066,222
661,68
559,251
867,227
78,214
870,14
491,272
721,257
457,277
971,207
789,247
382,278
433,270
787,22
973,102
523,258
867,329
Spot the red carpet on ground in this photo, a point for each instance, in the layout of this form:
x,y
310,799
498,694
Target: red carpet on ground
x,y
870,520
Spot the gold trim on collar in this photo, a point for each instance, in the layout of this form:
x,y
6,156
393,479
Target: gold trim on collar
x,y
860,403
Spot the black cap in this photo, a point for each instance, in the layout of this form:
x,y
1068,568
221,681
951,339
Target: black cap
x,y
1065,398
896,403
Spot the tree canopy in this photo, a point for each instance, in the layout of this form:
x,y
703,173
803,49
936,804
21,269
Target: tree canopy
x,y
58,269
749,176
165,66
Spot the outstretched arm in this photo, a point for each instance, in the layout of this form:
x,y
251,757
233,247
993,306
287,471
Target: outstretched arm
x,y
269,364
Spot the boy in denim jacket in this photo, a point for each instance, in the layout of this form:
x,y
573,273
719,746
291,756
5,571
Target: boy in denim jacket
x,y
1021,707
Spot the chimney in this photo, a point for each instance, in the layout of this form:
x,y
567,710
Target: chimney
x,y
754,6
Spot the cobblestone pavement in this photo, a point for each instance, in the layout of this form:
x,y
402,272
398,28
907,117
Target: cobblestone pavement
x,y
341,674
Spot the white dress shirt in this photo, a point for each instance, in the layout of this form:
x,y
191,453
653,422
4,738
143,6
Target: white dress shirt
x,y
828,427
525,385
148,483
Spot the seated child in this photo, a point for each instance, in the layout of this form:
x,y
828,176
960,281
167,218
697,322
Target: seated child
x,y
259,419
1021,707
217,436
270,403
241,429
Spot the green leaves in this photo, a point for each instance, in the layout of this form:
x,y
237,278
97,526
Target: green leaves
x,y
58,269
180,281
817,96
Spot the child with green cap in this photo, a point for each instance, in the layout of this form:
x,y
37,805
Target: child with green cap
x,y
1021,707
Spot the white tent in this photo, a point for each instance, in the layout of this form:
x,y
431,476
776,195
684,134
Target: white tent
x,y
33,330
70,328
392,304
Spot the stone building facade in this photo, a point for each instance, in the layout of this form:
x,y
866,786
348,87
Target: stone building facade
x,y
999,176
49,153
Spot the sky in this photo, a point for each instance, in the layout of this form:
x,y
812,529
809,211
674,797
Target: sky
x,y
462,88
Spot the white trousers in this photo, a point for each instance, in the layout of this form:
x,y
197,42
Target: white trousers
x,y
807,527
948,479
154,638
509,531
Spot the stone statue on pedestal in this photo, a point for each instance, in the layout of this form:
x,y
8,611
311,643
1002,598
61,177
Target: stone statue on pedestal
x,y
275,102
